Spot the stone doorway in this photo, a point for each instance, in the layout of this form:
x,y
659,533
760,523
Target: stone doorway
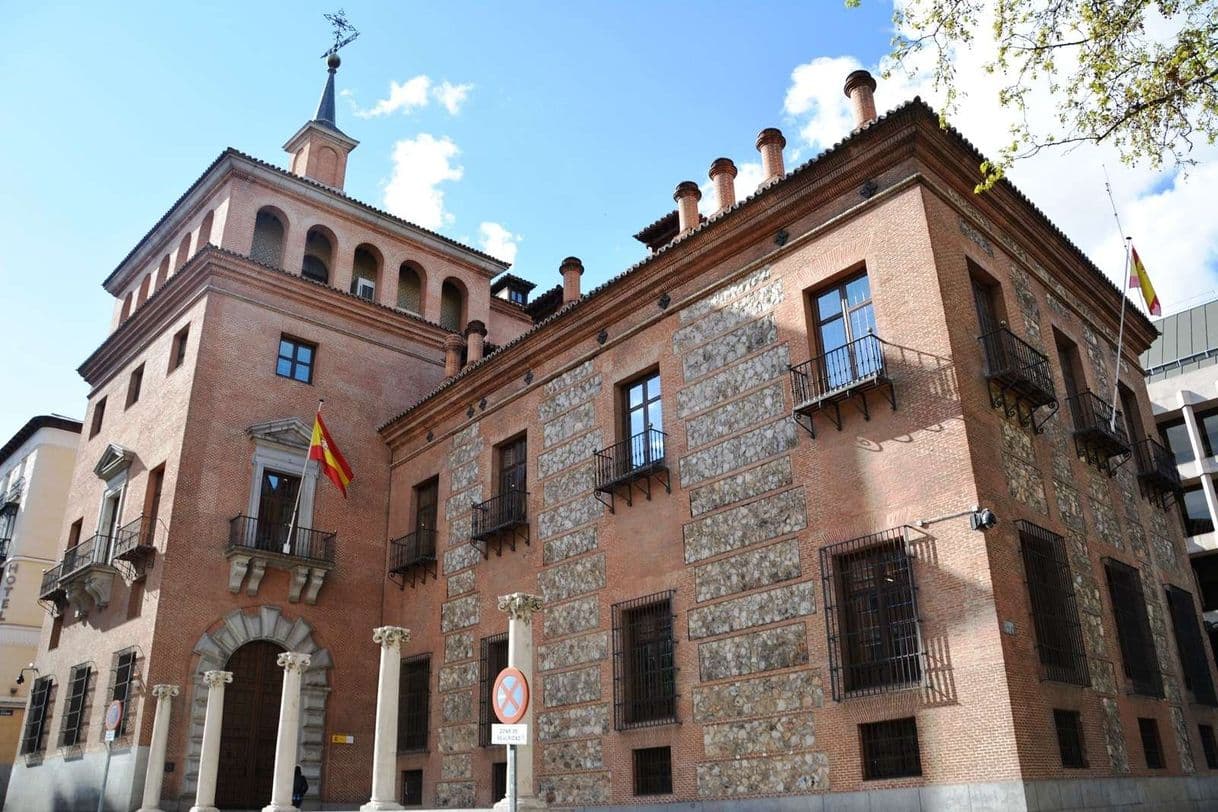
x,y
251,723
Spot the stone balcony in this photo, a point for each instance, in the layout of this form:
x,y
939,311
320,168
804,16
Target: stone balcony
x,y
255,544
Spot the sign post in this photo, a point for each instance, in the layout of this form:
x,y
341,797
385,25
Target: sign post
x,y
510,699
114,717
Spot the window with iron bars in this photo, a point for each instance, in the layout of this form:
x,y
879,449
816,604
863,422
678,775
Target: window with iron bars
x,y
1152,746
890,749
1209,746
644,662
123,673
871,612
414,695
1059,635
494,660
76,710
1133,629
653,771
33,737
1069,725
1193,661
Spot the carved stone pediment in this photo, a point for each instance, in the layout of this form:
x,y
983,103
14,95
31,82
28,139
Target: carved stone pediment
x,y
289,432
114,460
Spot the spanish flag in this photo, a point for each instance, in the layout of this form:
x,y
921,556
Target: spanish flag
x,y
1139,279
333,463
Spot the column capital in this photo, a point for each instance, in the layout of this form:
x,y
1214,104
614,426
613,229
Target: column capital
x,y
215,679
294,661
520,605
390,636
162,691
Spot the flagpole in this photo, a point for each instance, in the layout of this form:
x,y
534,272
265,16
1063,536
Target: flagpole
x,y
287,545
1124,285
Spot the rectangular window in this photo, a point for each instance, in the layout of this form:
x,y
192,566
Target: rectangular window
x,y
1133,413
653,771
499,780
844,318
1207,425
276,504
135,599
56,630
74,532
1196,512
1069,726
123,675
133,385
494,660
296,359
177,353
1193,661
1133,628
1059,636
644,665
890,749
33,737
76,709
152,504
513,465
412,787
414,697
1209,746
426,500
99,414
1175,437
1072,367
642,423
1152,747
987,298
872,614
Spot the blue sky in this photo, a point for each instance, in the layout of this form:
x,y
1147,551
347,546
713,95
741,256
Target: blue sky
x,y
578,122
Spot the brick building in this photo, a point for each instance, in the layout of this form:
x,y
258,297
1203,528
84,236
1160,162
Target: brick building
x,y
743,476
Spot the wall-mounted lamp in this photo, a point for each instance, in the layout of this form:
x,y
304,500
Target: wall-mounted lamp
x,y
21,675
979,518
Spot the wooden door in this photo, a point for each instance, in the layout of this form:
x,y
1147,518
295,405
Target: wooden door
x,y
251,722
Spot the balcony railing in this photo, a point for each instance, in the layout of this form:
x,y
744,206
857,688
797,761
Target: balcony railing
x,y
412,550
850,371
95,550
4,545
252,533
1157,472
14,491
50,588
1099,430
635,457
133,541
498,514
1020,374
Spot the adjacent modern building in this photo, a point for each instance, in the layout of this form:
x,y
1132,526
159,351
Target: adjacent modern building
x,y
826,498
35,470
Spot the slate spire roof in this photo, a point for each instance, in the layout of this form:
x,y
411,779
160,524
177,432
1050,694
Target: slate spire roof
x,y
325,105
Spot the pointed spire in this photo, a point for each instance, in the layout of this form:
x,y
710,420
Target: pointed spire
x,y
325,107
319,149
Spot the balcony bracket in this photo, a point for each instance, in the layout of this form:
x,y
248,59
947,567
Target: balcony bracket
x,y
418,571
1007,398
518,533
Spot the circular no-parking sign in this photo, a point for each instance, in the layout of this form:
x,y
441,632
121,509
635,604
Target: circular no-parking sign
x,y
114,714
510,696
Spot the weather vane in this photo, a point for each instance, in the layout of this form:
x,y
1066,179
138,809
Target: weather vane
x,y
344,32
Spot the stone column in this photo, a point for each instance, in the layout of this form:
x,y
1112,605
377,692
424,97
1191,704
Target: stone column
x,y
293,665
155,772
385,746
520,607
209,758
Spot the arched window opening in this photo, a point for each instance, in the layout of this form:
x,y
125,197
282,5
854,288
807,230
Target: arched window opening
x,y
452,305
126,308
142,296
183,251
410,288
205,228
268,239
319,253
364,272
162,273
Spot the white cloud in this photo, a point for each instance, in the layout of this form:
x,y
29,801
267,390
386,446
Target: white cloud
x,y
498,241
403,98
451,96
420,165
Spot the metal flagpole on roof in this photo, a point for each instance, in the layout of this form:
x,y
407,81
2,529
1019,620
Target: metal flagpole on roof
x,y
287,544
1124,284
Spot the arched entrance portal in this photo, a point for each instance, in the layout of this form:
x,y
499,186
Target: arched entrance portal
x,y
251,721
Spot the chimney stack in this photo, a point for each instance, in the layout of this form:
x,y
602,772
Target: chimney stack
x,y
859,89
723,175
453,344
475,333
687,196
770,143
571,269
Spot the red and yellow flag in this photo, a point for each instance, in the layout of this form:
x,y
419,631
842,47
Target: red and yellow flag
x,y
1139,279
333,463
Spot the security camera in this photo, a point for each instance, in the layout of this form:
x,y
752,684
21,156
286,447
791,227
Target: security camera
x,y
982,519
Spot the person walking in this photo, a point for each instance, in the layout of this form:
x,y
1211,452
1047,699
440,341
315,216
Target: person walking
x,y
300,785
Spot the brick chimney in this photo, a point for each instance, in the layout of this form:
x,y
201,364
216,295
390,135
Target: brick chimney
x,y
770,143
453,344
723,175
475,333
571,269
859,89
687,196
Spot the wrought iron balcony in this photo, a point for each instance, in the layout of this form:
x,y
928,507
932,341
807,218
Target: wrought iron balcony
x,y
1157,472
95,550
630,463
848,372
1099,430
1019,375
133,542
13,494
50,589
501,517
254,534
413,554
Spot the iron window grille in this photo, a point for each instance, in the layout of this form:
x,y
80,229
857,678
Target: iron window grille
x,y
1209,746
653,771
1059,635
412,787
1152,746
414,697
296,359
123,674
75,711
644,662
1069,727
890,749
1191,646
33,737
871,613
1133,629
494,660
